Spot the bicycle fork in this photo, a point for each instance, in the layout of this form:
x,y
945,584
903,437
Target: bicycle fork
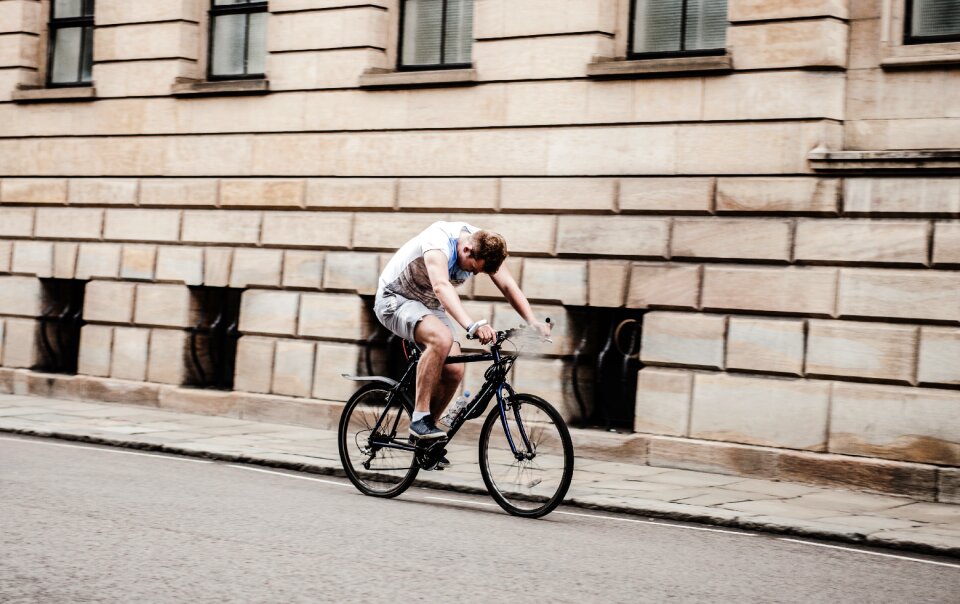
x,y
528,453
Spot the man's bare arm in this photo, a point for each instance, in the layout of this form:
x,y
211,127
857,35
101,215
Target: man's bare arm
x,y
507,285
436,263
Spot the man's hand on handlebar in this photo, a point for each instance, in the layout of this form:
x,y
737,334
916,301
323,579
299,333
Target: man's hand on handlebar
x,y
485,334
543,329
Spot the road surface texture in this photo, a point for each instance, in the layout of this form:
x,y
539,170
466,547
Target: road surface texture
x,y
681,495
82,523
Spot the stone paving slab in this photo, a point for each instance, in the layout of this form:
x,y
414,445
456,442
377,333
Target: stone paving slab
x,y
748,503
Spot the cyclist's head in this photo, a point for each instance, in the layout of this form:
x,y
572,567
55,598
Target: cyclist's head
x,y
491,248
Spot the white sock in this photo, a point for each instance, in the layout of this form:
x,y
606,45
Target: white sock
x,y
418,415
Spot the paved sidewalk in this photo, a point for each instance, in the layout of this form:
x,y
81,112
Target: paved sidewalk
x,y
762,505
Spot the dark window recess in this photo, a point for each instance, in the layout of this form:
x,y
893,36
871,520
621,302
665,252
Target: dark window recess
x,y
665,28
212,346
70,46
238,39
383,352
931,21
60,325
605,366
436,34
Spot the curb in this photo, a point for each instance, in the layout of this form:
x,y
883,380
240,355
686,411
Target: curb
x,y
668,511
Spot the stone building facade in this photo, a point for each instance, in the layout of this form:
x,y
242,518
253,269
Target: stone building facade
x,y
781,215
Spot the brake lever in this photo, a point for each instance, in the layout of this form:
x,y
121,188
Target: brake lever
x,y
548,322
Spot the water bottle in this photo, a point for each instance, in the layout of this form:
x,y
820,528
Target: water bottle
x,y
456,410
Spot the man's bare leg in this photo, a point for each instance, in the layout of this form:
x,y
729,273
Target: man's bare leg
x,y
436,339
450,378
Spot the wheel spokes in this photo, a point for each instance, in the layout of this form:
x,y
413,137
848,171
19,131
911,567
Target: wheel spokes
x,y
526,483
376,466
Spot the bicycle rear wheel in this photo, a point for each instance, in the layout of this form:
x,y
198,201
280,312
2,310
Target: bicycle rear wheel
x,y
535,484
374,469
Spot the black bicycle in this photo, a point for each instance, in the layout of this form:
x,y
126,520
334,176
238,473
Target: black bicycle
x,y
526,455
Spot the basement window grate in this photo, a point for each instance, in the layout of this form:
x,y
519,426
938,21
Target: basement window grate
x,y
605,366
212,346
60,325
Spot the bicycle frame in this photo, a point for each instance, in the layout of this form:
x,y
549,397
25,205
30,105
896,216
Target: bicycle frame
x,y
494,385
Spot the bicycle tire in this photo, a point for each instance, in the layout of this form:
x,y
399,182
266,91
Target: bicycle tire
x,y
388,478
516,485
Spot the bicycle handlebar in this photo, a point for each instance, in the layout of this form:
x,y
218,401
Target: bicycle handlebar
x,y
509,333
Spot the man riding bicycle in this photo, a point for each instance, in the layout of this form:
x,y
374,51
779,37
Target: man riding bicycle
x,y
416,299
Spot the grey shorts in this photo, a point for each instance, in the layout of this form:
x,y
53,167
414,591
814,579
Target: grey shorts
x,y
401,315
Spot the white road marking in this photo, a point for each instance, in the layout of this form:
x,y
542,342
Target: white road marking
x,y
666,524
339,484
459,501
103,449
860,551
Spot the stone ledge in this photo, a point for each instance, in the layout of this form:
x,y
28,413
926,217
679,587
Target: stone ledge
x,y
919,62
823,469
55,95
868,161
376,78
220,88
623,68
896,55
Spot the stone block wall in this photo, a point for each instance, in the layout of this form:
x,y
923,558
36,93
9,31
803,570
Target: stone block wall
x,y
807,380
136,331
796,298
897,96
20,307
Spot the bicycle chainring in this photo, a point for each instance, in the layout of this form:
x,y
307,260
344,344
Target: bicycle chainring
x,y
428,456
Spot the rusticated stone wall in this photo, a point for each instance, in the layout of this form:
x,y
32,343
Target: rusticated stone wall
x,y
793,304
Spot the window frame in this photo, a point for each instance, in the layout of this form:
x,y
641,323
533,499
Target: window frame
x,y
249,8
910,39
631,35
55,24
401,66
896,54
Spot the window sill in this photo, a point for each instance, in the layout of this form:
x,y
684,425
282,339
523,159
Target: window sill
x,y
891,63
919,56
885,161
623,68
220,88
55,95
374,79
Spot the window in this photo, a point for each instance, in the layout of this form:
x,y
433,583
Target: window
x,y
919,34
436,34
71,43
678,27
932,21
238,35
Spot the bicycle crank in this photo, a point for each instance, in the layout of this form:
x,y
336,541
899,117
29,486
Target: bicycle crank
x,y
428,456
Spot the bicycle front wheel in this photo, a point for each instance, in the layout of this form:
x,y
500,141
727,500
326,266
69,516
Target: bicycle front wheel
x,y
375,469
534,480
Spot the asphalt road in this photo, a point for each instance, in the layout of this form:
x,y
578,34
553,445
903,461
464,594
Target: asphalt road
x,y
80,523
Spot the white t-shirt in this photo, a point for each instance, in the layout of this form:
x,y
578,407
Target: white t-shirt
x,y
406,273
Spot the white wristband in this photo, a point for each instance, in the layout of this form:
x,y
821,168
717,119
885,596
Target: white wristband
x,y
475,326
